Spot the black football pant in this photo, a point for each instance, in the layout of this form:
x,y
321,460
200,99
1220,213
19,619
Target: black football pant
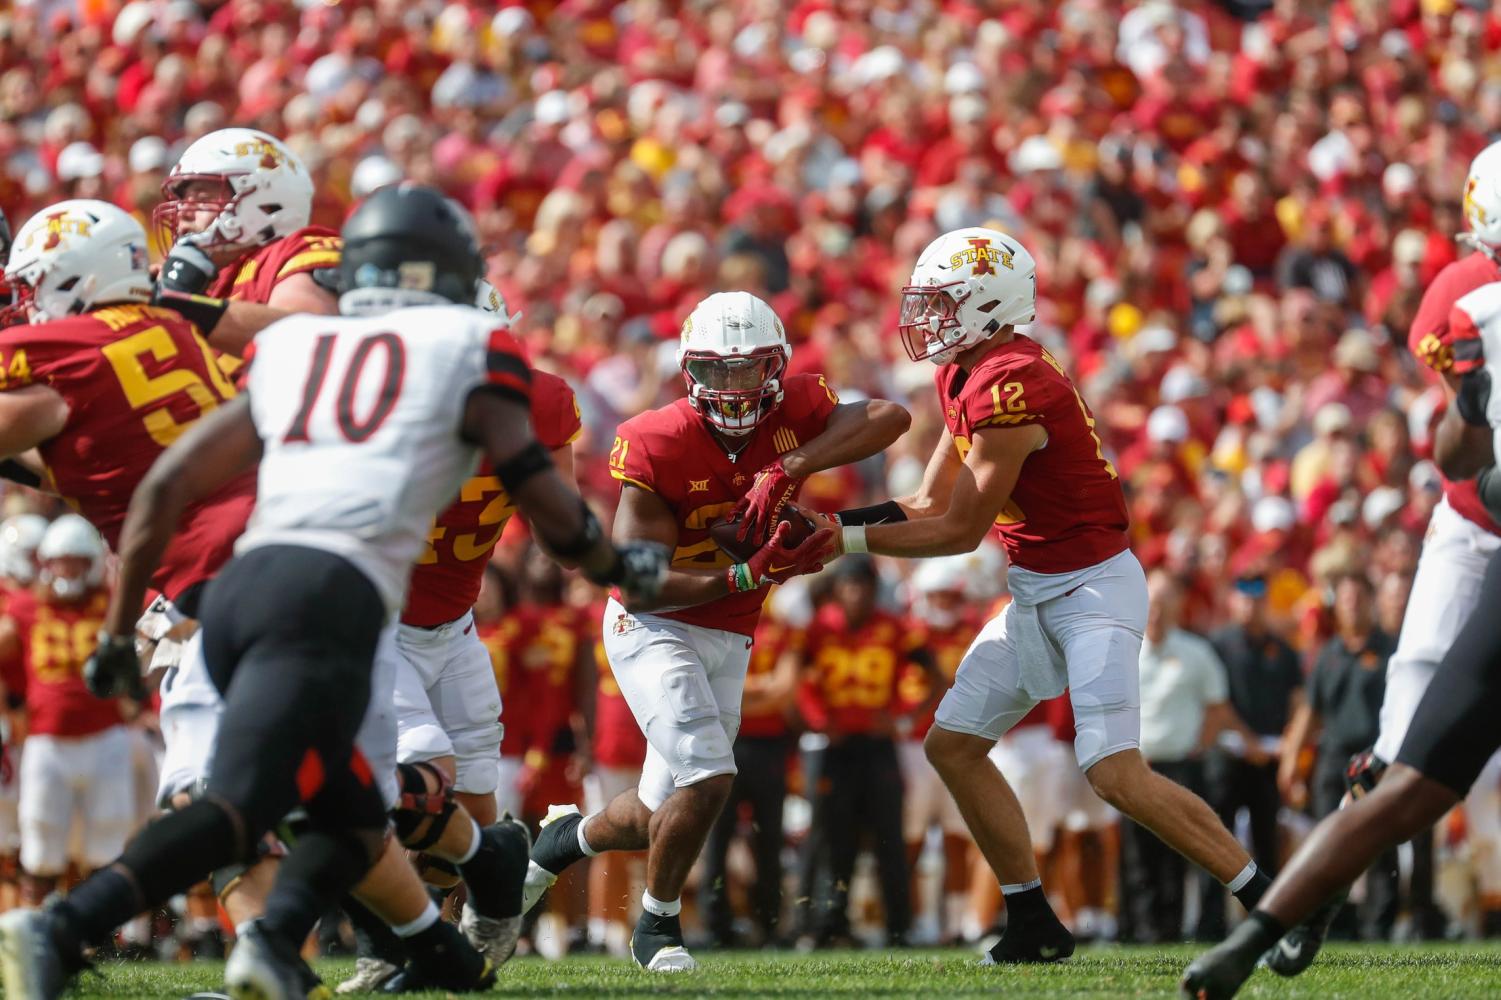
x,y
289,637
760,784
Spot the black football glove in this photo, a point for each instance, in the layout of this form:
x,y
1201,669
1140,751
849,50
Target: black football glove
x,y
114,669
642,568
187,269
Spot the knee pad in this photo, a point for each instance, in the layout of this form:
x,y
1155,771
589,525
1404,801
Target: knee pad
x,y
426,797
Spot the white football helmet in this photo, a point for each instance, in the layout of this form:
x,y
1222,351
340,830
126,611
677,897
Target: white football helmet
x,y
1482,198
967,286
940,587
261,191
70,537
76,255
20,534
733,351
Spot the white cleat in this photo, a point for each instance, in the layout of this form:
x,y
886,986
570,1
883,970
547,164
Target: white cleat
x,y
673,959
370,974
31,968
539,879
495,939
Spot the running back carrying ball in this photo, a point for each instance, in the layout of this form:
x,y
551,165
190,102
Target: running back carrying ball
x,y
727,534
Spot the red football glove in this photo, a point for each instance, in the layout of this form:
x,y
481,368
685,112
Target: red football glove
x,y
761,508
774,562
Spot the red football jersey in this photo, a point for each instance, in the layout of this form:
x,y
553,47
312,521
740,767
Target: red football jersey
x,y
618,741
771,643
1066,511
533,651
254,276
672,453
1430,341
446,580
948,646
56,639
850,675
134,378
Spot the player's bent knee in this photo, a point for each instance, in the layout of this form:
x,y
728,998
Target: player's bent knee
x,y
950,752
425,805
477,765
1117,779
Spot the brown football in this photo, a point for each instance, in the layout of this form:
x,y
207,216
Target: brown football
x,y
799,527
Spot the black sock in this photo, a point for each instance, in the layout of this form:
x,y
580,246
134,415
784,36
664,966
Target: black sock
x,y
166,858
373,938
1256,933
443,955
323,866
557,846
497,872
1028,905
1250,894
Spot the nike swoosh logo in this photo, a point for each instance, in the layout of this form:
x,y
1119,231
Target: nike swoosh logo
x,y
1048,952
1291,952
468,628
778,569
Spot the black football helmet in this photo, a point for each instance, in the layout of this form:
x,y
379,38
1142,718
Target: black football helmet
x,y
408,236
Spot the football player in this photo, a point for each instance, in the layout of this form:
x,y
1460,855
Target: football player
x,y
942,611
78,754
235,214
1451,734
740,443
851,659
364,429
1020,456
20,534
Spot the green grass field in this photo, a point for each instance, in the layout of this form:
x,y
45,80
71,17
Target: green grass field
x,y
1366,972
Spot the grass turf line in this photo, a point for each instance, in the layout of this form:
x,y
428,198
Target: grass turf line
x,y
1360,972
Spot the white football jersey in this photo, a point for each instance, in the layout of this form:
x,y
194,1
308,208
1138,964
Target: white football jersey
x,y
1483,308
360,418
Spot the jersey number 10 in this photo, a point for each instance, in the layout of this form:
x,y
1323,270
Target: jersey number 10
x,y
354,427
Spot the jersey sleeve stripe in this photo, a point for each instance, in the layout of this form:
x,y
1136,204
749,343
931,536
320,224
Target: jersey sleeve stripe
x,y
309,260
627,479
1004,420
503,364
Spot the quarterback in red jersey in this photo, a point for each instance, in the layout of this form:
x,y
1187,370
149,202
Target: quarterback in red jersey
x,y
742,441
235,214
77,762
1020,456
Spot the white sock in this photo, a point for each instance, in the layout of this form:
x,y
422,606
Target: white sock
x,y
474,844
589,852
668,908
422,923
1242,880
1014,888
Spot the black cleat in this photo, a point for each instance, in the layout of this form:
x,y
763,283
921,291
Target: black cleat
x,y
413,979
1219,972
492,917
1030,942
1300,946
262,966
657,945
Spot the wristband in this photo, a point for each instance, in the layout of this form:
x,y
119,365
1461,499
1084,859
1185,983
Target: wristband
x,y
202,311
740,579
852,539
881,513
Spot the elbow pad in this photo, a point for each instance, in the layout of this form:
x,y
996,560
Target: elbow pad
x,y
889,512
18,473
524,465
1474,397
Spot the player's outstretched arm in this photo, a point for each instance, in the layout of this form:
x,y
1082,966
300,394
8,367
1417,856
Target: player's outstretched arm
x,y
500,424
214,450
978,493
855,432
28,417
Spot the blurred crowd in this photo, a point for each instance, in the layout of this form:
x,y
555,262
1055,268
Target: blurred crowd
x,y
1235,209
